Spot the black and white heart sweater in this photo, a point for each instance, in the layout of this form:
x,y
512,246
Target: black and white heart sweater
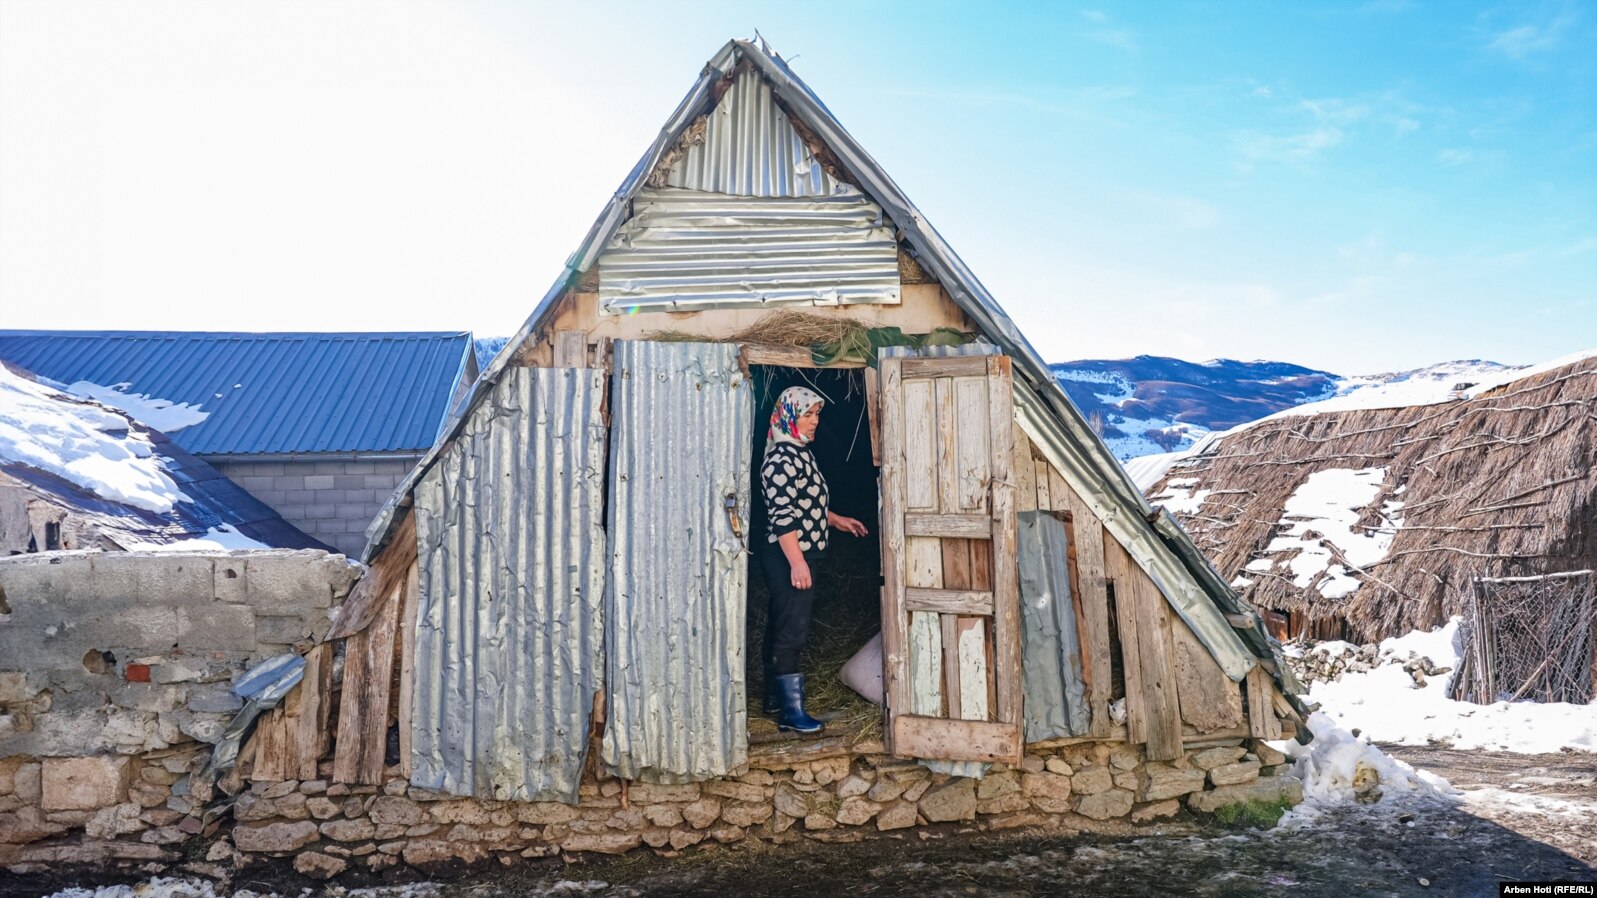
x,y
795,497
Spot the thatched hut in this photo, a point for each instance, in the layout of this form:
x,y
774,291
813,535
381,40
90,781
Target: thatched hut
x,y
559,605
1435,509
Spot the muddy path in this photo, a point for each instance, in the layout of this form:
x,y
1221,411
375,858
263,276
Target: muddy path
x,y
1550,798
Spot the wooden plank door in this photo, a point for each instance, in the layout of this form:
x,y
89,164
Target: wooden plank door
x,y
951,596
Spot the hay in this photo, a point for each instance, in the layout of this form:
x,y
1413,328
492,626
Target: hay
x,y
806,329
1504,484
846,615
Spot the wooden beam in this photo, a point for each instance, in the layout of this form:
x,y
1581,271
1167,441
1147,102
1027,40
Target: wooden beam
x,y
1118,567
1157,649
363,714
949,601
1025,472
1262,722
1045,501
1087,536
571,349
947,366
956,740
954,526
1005,547
895,641
873,398
407,666
317,691
790,357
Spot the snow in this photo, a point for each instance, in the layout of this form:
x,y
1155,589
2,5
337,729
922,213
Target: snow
x,y
1427,386
1181,496
1323,512
1328,767
86,444
161,414
1386,706
217,539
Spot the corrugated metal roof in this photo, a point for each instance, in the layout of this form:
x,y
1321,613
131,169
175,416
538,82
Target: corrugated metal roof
x,y
749,148
269,393
1053,422
685,249
510,630
681,414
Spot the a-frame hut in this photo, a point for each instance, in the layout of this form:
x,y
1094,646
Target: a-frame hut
x,y
567,567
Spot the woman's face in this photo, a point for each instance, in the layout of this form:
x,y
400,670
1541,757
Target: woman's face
x,y
808,421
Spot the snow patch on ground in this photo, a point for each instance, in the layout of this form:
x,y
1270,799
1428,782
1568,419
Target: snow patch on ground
x,y
1386,706
1321,514
161,414
1330,768
86,444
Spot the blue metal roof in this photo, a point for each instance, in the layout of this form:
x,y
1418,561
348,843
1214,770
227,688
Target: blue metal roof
x,y
269,393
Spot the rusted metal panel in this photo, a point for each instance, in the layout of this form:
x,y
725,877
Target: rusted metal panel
x,y
687,249
681,418
749,148
509,630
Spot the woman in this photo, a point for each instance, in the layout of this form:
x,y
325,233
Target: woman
x,y
799,523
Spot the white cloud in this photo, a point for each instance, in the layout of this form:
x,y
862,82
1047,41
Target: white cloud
x,y
1451,156
1526,40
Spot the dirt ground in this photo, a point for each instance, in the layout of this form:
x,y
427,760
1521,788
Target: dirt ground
x,y
1517,818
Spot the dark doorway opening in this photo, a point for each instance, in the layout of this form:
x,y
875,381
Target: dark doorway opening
x,y
847,610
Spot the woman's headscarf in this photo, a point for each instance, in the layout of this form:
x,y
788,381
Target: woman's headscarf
x,y
792,404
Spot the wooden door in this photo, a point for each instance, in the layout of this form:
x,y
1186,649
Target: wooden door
x,y
951,594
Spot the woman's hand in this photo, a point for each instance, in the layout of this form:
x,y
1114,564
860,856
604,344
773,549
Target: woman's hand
x,y
846,524
800,571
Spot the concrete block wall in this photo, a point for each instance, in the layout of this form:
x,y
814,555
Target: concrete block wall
x,y
330,500
124,653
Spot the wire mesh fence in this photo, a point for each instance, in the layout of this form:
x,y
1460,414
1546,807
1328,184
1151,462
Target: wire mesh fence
x,y
1529,638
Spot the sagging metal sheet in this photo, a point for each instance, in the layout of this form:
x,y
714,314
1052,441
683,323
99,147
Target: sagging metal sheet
x,y
509,628
681,420
1056,693
749,148
686,249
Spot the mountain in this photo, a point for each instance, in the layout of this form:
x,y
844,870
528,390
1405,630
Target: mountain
x,y
1152,404
488,347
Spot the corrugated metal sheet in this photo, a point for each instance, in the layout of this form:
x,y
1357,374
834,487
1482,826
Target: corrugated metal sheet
x,y
681,418
1056,695
685,249
749,148
274,393
509,630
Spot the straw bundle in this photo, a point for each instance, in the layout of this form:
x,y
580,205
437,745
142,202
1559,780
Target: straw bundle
x,y
1503,484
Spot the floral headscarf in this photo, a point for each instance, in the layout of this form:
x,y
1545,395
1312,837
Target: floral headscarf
x,y
790,406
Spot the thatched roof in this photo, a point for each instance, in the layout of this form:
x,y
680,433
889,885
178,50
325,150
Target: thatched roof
x,y
1501,484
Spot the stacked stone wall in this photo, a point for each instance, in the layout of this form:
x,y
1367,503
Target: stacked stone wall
x,y
325,829
115,678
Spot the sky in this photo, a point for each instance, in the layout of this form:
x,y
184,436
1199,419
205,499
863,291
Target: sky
x,y
1356,187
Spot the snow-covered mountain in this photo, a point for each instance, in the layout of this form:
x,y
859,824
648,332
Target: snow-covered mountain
x,y
1151,404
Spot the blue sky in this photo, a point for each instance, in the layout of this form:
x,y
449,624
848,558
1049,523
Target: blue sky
x,y
1356,187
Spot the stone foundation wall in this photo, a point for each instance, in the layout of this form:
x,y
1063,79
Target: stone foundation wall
x,y
330,828
125,653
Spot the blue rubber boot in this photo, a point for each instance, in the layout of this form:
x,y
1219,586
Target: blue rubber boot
x,y
792,717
